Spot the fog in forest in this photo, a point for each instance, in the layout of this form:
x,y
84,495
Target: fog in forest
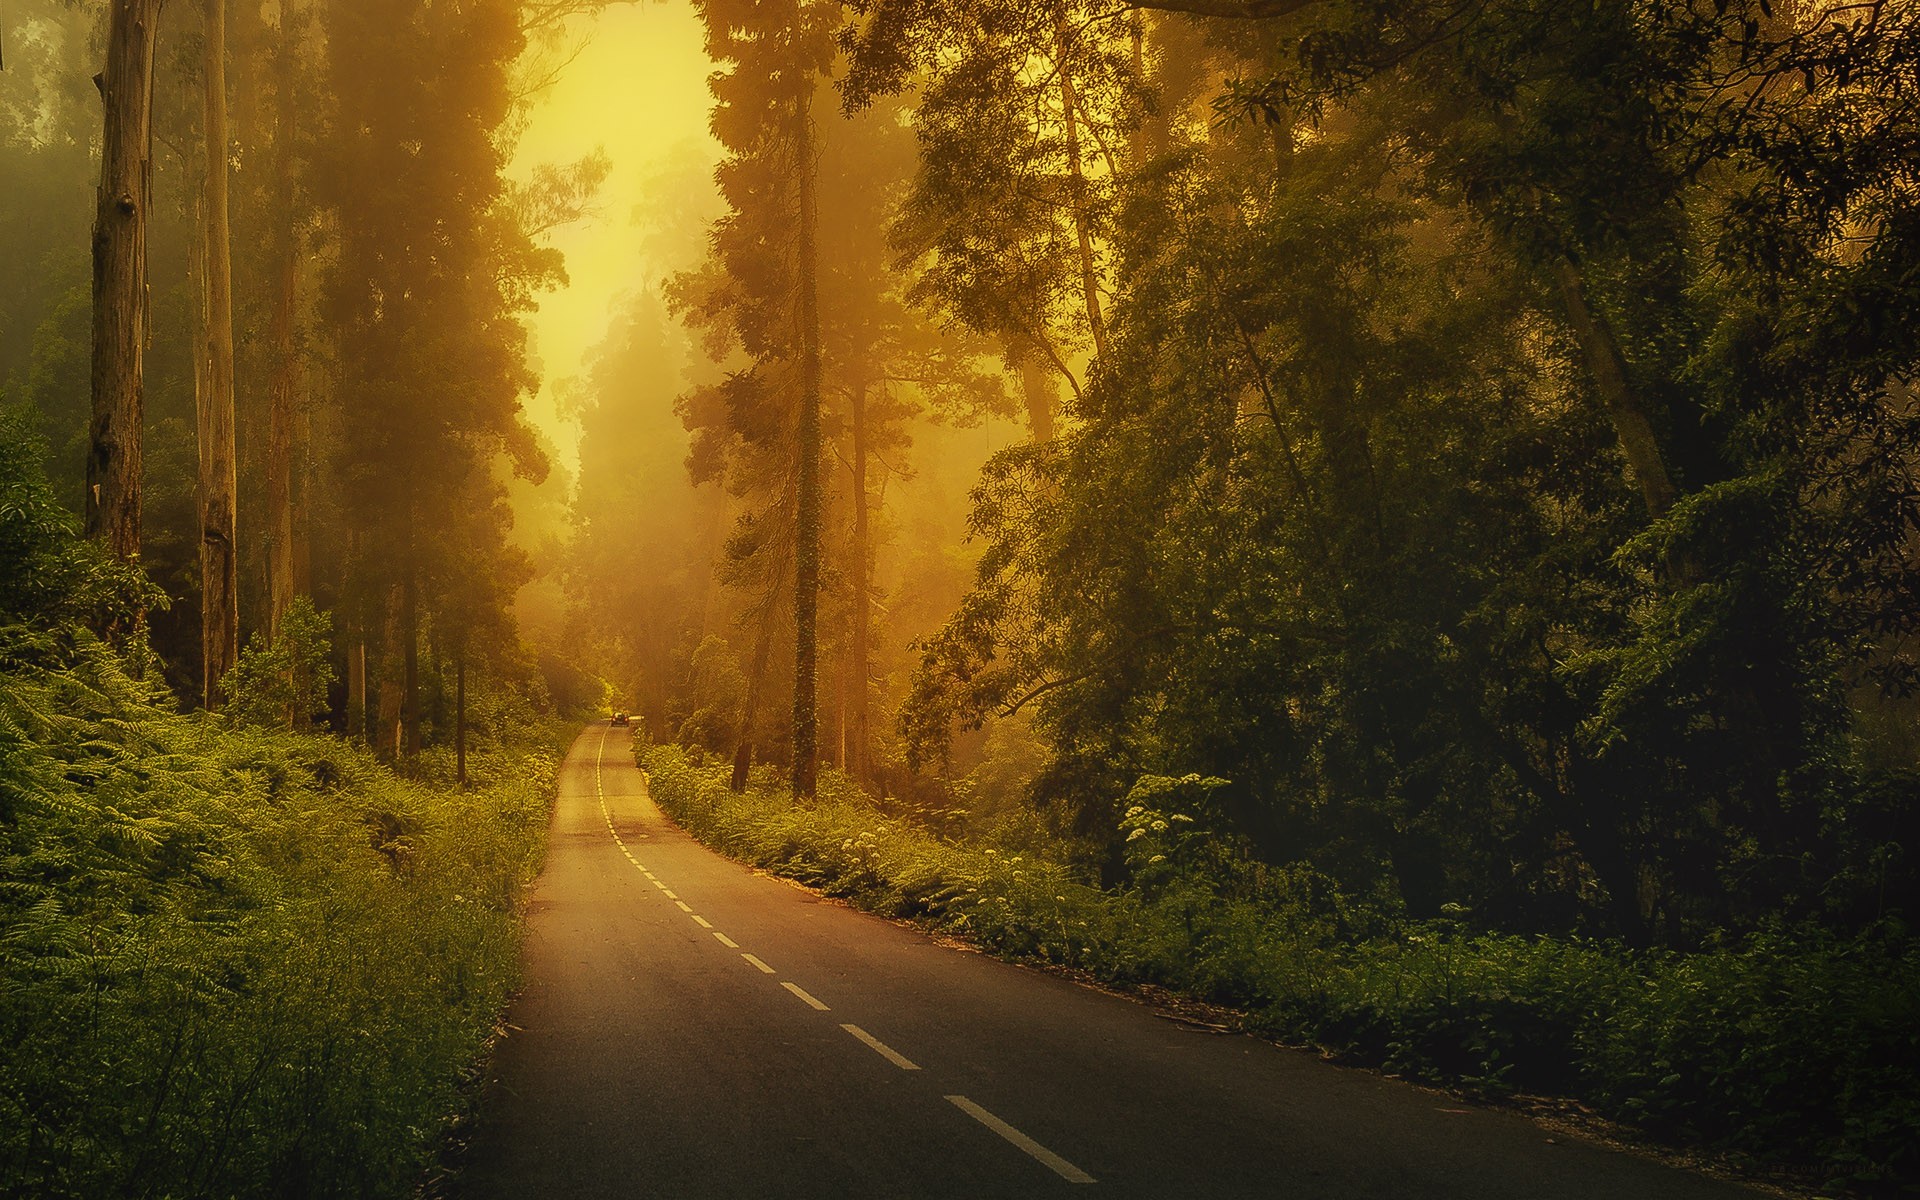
x,y
1265,499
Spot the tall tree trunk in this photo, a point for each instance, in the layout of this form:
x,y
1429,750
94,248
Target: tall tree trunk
x,y
460,716
1150,137
1631,424
299,491
281,588
357,685
838,757
410,658
392,679
806,574
861,668
1042,396
750,706
219,569
120,300
1077,187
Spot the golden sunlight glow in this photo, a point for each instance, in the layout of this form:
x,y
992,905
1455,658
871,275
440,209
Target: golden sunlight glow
x,y
638,91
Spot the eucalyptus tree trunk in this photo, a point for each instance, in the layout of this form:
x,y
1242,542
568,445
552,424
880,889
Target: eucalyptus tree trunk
x,y
282,586
460,716
806,574
410,665
120,300
219,570
858,737
392,691
357,684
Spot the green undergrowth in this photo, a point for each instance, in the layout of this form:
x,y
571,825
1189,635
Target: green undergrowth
x,y
1785,1047
236,962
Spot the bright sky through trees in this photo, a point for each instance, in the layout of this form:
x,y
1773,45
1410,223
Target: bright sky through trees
x,y
638,91
1357,498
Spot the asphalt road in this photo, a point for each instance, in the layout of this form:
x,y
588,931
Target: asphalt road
x,y
691,1029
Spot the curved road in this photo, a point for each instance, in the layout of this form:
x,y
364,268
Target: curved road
x,y
691,1029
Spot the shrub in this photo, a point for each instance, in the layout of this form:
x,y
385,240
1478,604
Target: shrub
x,y
1789,1045
237,962
283,683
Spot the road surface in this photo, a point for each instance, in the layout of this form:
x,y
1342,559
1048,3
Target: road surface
x,y
691,1029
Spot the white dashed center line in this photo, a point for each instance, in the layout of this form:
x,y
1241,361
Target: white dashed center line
x,y
1059,1166
801,992
1039,1153
882,1049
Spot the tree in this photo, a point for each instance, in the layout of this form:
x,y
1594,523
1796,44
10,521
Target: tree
x,y
1654,679
434,260
286,483
120,306
800,288
219,554
767,304
1021,121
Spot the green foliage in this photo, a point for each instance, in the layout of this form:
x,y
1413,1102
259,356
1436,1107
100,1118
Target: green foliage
x,y
50,576
284,683
1352,510
237,963
1170,831
718,694
1786,1045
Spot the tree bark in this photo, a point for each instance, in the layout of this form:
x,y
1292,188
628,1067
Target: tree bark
x,y
120,300
219,569
460,717
1631,424
1042,398
299,481
1151,137
806,574
860,669
410,660
750,705
392,680
357,687
281,587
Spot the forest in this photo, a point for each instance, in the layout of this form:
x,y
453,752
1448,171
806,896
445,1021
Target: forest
x,y
1401,517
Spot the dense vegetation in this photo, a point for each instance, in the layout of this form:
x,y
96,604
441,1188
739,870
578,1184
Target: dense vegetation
x,y
240,954
234,960
1472,445
1480,435
1792,1047
1452,461
379,361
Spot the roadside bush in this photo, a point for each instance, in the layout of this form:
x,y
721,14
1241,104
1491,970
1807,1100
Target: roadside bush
x,y
1789,1046
282,683
236,962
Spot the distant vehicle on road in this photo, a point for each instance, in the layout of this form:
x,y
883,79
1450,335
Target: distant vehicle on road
x,y
619,718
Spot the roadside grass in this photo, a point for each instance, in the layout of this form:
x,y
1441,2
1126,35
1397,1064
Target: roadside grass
x,y
236,962
1786,1047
